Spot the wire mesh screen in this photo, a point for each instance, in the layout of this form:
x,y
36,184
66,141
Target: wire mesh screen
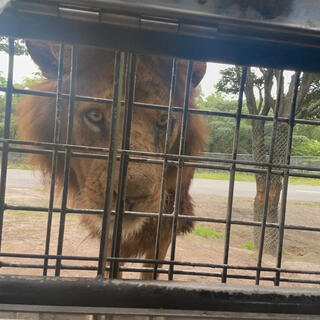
x,y
119,186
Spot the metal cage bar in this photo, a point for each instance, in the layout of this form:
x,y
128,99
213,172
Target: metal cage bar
x,y
165,162
67,156
286,178
268,177
117,95
4,159
232,174
183,134
124,160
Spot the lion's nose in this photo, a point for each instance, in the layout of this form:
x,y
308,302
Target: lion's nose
x,y
141,182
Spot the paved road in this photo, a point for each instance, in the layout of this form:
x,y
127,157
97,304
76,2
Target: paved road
x,y
32,179
24,179
248,189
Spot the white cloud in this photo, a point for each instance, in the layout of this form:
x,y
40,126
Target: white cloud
x,y
23,67
211,77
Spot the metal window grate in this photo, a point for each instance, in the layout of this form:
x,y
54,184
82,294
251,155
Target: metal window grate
x,y
151,298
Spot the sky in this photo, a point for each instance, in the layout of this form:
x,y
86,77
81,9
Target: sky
x,y
25,67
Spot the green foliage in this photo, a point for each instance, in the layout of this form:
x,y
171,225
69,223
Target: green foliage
x,y
19,46
206,232
27,83
224,176
230,80
221,129
306,140
310,132
248,245
302,146
313,96
251,178
3,81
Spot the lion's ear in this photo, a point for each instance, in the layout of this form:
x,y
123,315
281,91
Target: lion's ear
x,y
42,55
198,72
46,56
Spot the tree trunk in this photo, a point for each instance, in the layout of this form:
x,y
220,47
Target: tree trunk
x,y
279,156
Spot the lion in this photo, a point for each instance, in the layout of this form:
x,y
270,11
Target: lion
x,y
91,127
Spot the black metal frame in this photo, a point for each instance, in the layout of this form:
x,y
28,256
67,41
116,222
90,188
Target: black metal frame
x,y
212,298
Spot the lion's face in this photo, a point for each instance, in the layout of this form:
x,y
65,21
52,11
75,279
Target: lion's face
x,y
92,127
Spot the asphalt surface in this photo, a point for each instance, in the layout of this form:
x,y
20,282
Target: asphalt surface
x,y
248,190
32,179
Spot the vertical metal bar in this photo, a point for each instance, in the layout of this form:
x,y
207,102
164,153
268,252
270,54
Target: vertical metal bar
x,y
54,155
286,178
116,104
7,118
268,177
232,173
183,134
73,77
165,162
124,159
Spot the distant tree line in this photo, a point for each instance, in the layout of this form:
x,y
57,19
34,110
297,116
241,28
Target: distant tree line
x,y
255,134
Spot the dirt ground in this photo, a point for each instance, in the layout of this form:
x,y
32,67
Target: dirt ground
x,y
25,232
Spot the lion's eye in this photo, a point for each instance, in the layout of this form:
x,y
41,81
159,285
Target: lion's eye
x,y
94,116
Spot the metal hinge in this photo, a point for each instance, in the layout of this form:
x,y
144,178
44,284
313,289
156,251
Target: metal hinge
x,y
52,9
79,14
144,22
119,19
173,26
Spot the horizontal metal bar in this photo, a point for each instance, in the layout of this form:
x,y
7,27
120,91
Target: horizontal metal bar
x,y
189,314
162,271
49,256
214,266
157,294
48,266
151,214
161,107
162,155
164,262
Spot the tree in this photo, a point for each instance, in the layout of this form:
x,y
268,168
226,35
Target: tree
x,y
26,83
260,101
220,137
19,46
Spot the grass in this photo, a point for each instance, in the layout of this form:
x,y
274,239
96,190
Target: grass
x,y
224,176
248,245
207,232
250,178
21,166
23,213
